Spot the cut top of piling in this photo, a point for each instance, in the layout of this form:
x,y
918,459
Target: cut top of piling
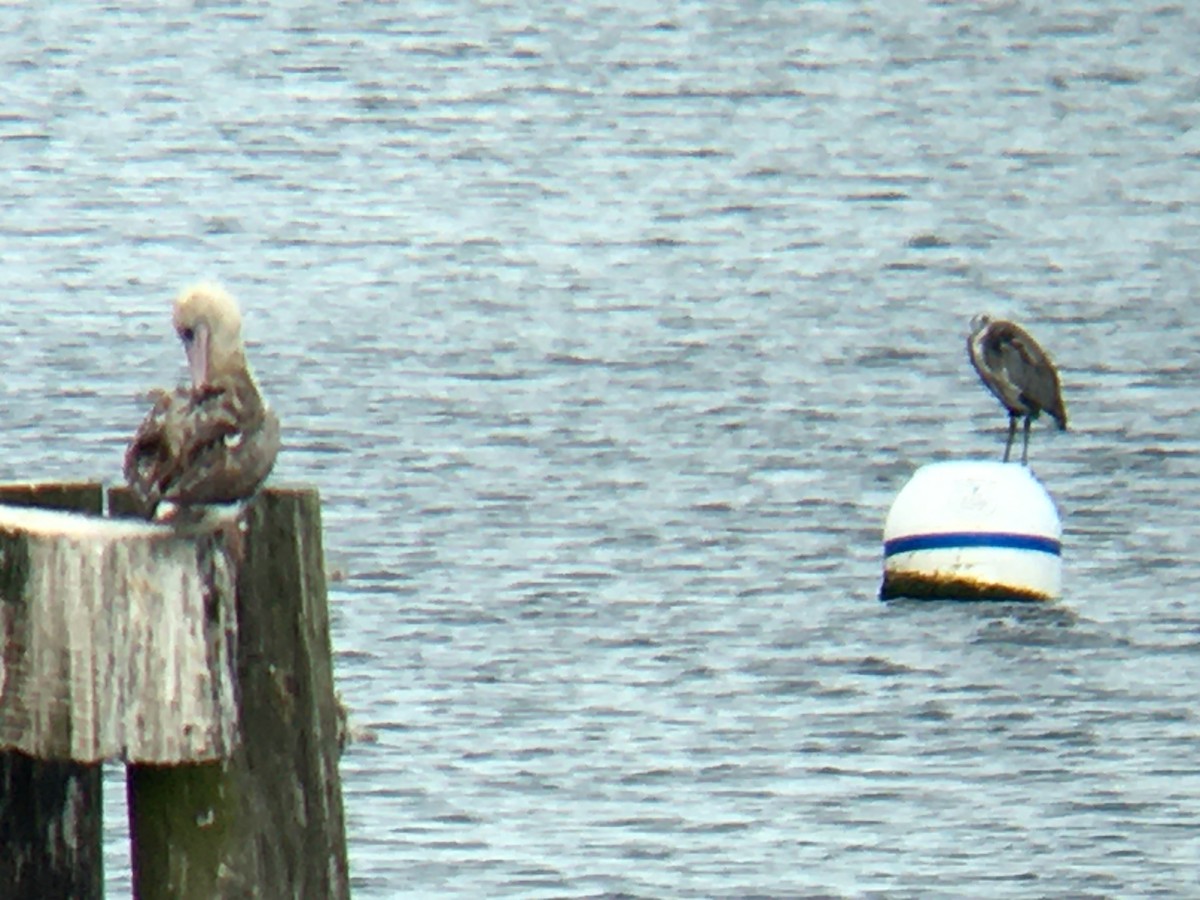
x,y
117,637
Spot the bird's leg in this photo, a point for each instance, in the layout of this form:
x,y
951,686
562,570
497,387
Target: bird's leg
x,y
1025,446
1012,433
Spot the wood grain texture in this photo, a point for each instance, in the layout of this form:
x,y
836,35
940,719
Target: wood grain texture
x,y
51,810
117,638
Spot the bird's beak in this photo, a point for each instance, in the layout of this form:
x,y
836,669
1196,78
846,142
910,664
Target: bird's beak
x,y
197,354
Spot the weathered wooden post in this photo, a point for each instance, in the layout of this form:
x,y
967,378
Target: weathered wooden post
x,y
267,820
201,655
50,809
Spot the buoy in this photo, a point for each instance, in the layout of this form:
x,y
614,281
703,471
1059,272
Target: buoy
x,y
972,530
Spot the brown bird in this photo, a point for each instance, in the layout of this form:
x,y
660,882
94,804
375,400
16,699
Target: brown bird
x,y
1020,374
215,440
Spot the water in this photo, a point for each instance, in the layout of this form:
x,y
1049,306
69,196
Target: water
x,y
608,334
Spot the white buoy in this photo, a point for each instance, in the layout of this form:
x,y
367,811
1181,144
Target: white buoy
x,y
972,530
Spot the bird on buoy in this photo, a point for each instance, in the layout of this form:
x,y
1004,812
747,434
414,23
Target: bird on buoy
x,y
1019,372
215,439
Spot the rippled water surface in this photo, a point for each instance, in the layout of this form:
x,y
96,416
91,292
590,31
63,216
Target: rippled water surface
x,y
608,333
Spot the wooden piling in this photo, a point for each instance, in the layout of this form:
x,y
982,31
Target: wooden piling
x,y
118,639
50,809
201,655
267,822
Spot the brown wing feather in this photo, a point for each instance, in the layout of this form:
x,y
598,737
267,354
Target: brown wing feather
x,y
1028,368
154,448
213,446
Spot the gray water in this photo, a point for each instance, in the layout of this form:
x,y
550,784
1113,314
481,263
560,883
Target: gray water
x,y
608,333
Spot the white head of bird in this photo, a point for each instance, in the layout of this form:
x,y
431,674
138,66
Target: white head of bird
x,y
209,324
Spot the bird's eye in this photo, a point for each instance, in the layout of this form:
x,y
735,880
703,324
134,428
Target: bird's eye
x,y
187,335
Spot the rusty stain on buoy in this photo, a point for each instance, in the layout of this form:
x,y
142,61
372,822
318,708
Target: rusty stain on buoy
x,y
936,586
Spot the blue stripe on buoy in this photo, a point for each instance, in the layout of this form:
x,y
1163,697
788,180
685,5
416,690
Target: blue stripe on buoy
x,y
955,540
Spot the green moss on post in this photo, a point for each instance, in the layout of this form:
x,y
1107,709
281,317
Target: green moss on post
x,y
290,715
188,807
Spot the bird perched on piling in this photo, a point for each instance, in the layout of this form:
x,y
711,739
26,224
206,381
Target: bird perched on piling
x,y
215,439
1019,372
